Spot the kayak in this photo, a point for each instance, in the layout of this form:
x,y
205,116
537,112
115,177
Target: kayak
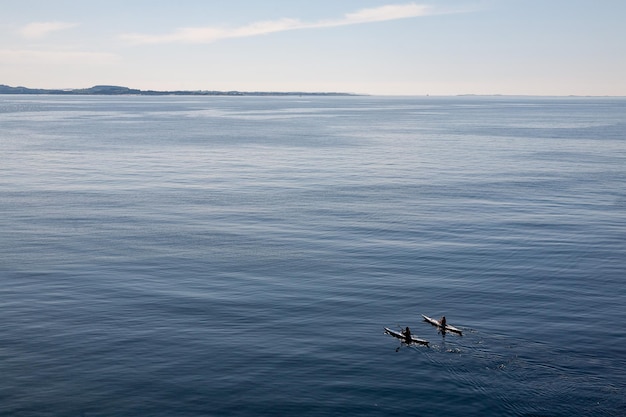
x,y
438,324
401,337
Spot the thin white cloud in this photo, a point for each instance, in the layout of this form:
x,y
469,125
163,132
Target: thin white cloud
x,y
41,29
212,34
27,56
389,12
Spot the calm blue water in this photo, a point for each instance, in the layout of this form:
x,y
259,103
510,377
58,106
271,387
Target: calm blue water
x,y
239,256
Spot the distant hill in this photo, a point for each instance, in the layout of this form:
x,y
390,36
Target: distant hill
x,y
5,89
107,90
117,90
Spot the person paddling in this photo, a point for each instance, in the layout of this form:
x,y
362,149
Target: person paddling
x,y
442,322
407,335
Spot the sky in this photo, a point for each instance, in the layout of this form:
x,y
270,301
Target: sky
x,y
380,47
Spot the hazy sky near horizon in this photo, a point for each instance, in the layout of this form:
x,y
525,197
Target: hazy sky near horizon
x,y
436,47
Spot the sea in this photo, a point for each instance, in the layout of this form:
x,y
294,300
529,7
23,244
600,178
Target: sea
x,y
242,256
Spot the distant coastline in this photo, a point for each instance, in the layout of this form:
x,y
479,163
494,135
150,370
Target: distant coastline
x,y
110,90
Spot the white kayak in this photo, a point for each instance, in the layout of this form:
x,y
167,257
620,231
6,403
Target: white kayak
x,y
401,337
438,324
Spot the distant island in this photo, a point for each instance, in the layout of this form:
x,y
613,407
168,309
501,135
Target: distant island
x,y
113,90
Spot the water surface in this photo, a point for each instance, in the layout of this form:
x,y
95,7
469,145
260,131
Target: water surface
x,y
241,255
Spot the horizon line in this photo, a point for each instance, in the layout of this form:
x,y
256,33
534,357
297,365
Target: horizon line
x,y
233,92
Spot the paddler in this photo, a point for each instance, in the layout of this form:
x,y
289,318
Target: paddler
x,y
442,322
407,335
